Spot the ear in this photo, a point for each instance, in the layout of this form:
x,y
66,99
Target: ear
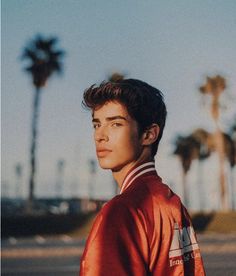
x,y
150,135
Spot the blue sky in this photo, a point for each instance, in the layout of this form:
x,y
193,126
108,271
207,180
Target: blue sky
x,y
172,45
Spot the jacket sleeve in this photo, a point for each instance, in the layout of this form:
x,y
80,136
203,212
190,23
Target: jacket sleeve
x,y
120,244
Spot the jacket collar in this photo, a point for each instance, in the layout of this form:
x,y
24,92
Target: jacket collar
x,y
136,172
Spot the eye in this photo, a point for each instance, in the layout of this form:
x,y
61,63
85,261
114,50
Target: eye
x,y
96,125
115,124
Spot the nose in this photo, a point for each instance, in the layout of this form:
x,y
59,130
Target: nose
x,y
101,135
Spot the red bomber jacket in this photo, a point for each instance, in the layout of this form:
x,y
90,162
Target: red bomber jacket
x,y
143,231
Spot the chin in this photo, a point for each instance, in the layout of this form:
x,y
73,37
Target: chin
x,y
107,164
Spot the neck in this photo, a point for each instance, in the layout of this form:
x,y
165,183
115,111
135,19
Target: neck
x,y
120,174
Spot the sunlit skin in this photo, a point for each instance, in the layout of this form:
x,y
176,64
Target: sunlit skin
x,y
119,146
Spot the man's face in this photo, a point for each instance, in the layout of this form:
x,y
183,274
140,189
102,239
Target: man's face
x,y
116,136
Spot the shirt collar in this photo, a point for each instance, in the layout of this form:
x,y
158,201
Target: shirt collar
x,y
136,172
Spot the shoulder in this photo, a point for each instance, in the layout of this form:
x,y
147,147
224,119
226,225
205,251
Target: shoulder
x,y
119,219
157,197
138,197
117,206
158,189
125,209
148,190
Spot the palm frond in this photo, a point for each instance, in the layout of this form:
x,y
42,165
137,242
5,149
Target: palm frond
x,y
44,58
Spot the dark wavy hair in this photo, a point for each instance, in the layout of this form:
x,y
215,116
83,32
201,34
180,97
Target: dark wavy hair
x,y
144,102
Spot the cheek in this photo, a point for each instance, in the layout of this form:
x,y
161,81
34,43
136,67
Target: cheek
x,y
118,141
126,140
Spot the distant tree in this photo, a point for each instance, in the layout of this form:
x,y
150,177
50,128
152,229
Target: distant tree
x,y
203,138
92,177
187,149
231,154
18,173
229,149
60,177
44,60
208,145
214,87
232,133
116,76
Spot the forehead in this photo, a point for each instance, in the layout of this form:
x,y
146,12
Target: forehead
x,y
110,109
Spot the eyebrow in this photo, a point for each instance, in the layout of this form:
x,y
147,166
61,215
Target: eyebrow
x,y
118,117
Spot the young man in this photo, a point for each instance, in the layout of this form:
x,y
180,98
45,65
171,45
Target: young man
x,y
145,230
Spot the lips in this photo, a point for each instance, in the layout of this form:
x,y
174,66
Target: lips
x,y
103,152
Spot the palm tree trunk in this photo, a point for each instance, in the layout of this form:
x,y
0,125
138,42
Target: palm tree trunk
x,y
185,197
33,147
221,152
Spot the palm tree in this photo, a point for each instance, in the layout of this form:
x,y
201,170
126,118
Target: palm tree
x,y
18,173
92,172
187,149
203,139
43,61
232,133
116,76
208,145
230,151
60,177
214,87
233,138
